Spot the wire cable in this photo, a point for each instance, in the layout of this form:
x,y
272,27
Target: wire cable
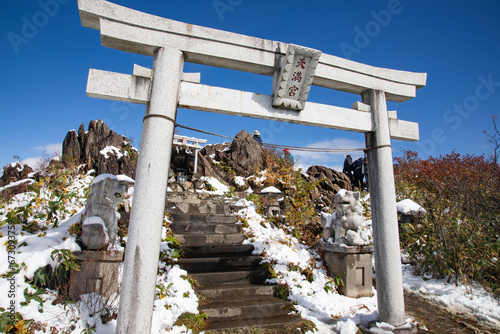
x,y
293,148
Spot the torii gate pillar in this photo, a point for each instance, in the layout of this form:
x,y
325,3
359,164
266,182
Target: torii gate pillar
x,y
144,234
390,298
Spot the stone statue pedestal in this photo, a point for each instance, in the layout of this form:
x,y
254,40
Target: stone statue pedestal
x,y
99,273
353,262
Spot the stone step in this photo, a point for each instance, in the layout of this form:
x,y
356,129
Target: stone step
x,y
205,228
247,309
227,292
198,219
195,239
228,275
257,276
210,250
236,207
198,208
216,264
277,325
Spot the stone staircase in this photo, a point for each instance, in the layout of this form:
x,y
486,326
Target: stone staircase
x,y
230,279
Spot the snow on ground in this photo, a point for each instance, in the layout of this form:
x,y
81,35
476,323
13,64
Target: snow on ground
x,y
332,312
179,298
239,180
315,297
14,184
461,299
220,189
259,179
33,251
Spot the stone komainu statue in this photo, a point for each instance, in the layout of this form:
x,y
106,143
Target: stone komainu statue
x,y
346,221
100,217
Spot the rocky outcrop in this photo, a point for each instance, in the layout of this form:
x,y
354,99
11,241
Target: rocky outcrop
x,y
212,150
15,172
71,146
245,156
329,182
100,149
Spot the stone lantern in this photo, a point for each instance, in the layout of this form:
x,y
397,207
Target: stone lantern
x,y
271,197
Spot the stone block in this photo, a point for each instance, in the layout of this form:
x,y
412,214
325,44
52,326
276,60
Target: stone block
x,y
99,273
354,263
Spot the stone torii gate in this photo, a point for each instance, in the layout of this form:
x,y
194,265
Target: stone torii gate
x,y
164,88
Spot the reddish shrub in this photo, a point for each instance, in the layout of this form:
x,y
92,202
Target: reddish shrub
x,y
460,236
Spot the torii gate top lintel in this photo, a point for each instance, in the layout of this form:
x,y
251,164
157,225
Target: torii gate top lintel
x,y
134,31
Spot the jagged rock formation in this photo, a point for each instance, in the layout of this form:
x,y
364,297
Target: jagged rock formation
x,y
15,172
207,157
212,149
330,182
246,155
100,149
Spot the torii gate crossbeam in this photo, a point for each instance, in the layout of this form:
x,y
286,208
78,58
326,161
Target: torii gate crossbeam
x,y
171,43
136,88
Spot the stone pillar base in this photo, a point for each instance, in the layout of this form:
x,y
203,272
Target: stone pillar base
x,y
372,328
99,273
354,263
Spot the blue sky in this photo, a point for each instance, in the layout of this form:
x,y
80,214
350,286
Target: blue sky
x,y
46,53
